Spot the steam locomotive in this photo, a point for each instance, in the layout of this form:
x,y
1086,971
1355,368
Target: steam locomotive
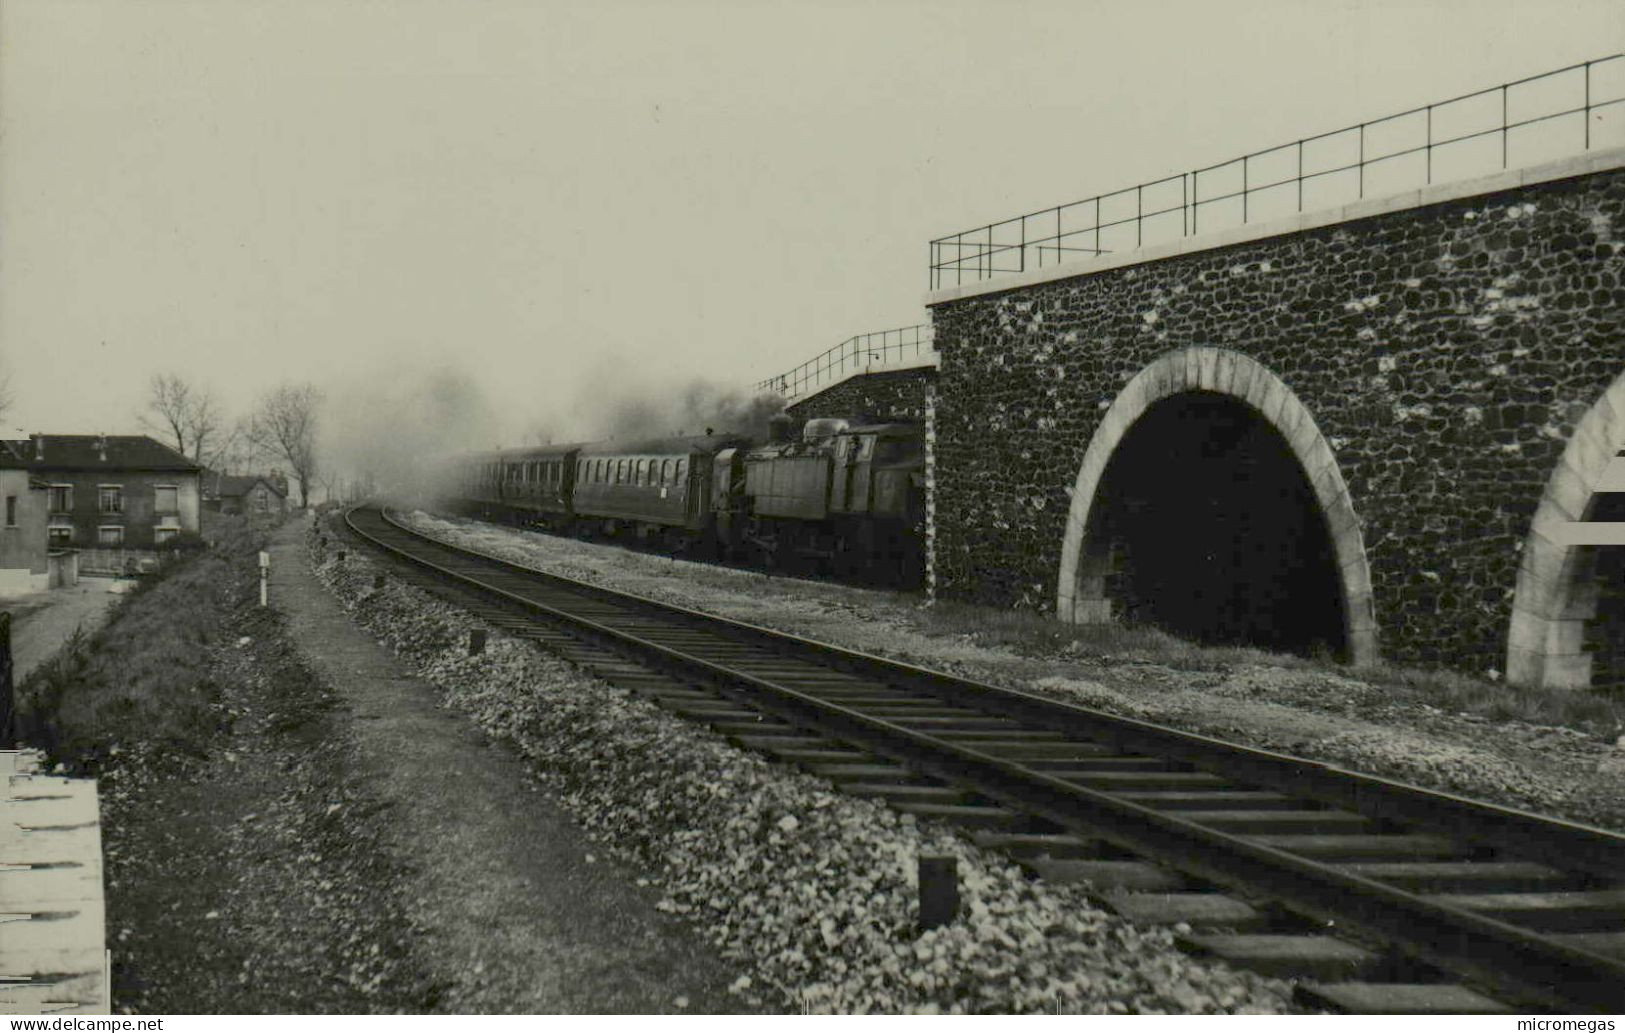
x,y
844,496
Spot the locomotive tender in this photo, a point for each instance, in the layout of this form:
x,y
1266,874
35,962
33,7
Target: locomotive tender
x,y
843,495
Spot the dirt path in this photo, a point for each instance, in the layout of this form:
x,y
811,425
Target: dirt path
x,y
44,621
521,917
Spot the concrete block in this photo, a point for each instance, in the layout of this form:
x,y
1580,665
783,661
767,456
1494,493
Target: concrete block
x,y
1567,491
1364,648
1589,453
1293,416
1241,380
1190,377
1224,371
1355,572
1570,671
1524,667
1091,611
1368,208
1526,633
1207,366
1565,636
1575,602
1265,394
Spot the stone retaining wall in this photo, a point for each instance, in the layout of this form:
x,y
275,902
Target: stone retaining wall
x,y
1445,353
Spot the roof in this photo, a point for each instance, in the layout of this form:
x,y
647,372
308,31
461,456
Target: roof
x,y
707,443
225,485
84,452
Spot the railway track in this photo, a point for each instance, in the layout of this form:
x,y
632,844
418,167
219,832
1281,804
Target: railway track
x,y
1376,896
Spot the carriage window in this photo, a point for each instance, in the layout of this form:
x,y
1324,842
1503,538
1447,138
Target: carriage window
x,y
643,472
682,469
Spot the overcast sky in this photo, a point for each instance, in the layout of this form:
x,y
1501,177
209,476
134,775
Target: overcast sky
x,y
566,200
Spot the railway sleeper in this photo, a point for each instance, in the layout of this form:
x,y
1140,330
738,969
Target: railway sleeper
x,y
1212,806
1209,910
1464,876
1308,956
1253,822
1574,911
1398,999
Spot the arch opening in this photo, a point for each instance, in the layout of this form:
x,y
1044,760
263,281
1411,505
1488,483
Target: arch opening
x,y
1600,589
1206,524
1567,629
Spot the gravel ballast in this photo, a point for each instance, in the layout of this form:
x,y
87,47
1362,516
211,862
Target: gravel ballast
x,y
809,892
1320,712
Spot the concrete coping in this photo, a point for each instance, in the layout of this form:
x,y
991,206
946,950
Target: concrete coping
x,y
1439,193
930,360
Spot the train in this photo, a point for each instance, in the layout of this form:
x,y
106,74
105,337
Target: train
x,y
843,495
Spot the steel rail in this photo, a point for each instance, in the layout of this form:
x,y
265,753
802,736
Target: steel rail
x,y
1478,947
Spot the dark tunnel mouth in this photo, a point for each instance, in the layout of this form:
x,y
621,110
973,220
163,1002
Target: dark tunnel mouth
x,y
1205,525
1597,584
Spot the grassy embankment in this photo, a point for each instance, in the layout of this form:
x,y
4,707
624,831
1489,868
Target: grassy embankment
x,y
243,858
1594,713
144,676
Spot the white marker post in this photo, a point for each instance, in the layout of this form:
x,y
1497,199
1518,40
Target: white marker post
x,y
265,573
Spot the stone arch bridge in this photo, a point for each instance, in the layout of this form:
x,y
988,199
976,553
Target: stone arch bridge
x,y
1367,431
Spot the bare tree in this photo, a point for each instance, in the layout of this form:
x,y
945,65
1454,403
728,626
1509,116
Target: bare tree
x,y
283,427
229,449
6,397
187,414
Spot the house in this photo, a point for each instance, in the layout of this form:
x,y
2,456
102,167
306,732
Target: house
x,y
249,493
24,564
125,493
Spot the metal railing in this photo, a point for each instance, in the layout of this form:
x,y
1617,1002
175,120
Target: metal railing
x,y
1330,168
853,355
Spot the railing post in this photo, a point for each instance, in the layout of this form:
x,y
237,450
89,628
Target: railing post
x,y
1300,175
1097,225
1023,262
1362,159
1428,143
1184,208
1244,161
1139,215
1196,201
1058,234
7,704
1587,113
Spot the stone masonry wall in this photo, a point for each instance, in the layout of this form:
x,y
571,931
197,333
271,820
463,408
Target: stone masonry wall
x,y
900,393
1445,352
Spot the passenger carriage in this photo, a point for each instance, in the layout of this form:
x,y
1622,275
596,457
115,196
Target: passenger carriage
x,y
657,488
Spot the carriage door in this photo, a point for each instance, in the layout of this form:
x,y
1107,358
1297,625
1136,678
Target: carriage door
x,y
840,485
857,472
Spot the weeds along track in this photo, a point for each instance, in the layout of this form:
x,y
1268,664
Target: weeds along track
x,y
1375,895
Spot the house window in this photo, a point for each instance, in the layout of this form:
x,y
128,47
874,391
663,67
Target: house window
x,y
161,535
166,499
261,502
59,535
11,511
61,498
110,499
110,534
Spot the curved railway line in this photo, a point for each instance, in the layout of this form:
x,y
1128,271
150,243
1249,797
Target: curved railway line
x,y
1374,895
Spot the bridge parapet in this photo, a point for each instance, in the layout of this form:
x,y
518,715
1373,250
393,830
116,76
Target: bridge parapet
x,y
1528,121
1446,345
903,348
